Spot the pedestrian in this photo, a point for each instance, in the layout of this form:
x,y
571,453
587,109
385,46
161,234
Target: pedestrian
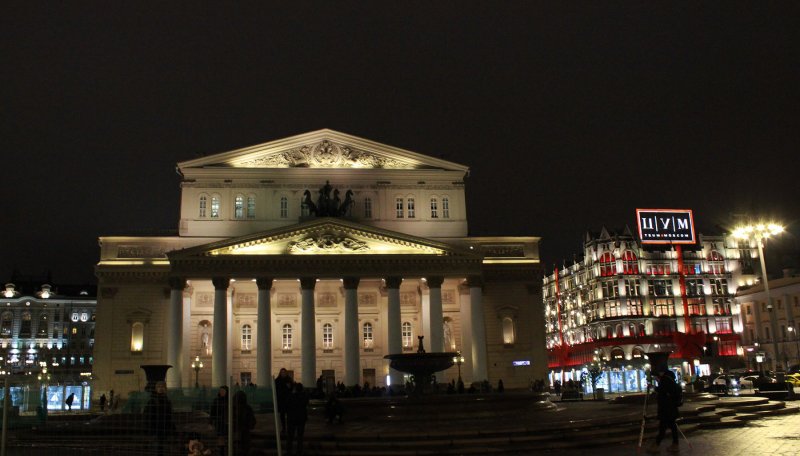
x,y
103,402
669,399
283,388
500,387
69,401
158,416
218,415
334,409
243,422
297,415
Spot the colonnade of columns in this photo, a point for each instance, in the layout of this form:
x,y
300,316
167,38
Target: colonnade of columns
x,y
473,329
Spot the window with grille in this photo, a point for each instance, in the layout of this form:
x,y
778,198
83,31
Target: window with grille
x,y
251,206
407,335
286,337
368,207
203,202
398,206
632,287
716,263
608,265
434,208
445,207
659,269
724,326
719,287
367,335
215,206
247,337
630,264
238,207
609,289
284,207
663,307
327,336
411,210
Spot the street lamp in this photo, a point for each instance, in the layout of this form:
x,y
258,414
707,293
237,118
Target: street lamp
x,y
197,365
759,232
458,360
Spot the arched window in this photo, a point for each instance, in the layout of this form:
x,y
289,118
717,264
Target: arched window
x,y
398,206
630,265
41,331
238,207
284,207
407,334
411,209
25,327
247,337
367,207
367,335
434,208
203,204
617,354
215,206
608,265
137,336
508,331
251,206
286,341
327,336
637,353
716,263
445,207
7,324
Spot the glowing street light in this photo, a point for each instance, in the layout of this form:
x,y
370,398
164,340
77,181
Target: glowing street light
x,y
197,365
759,232
458,360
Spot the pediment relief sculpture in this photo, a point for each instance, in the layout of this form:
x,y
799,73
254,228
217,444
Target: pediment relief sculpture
x,y
328,243
325,154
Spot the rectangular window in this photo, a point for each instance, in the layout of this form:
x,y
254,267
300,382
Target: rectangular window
x,y
724,325
215,207
251,207
247,337
613,309
367,207
434,208
238,207
367,336
663,307
632,287
327,336
411,212
694,287
202,206
398,205
719,287
660,287
610,290
445,207
727,348
406,334
697,306
659,269
634,307
284,207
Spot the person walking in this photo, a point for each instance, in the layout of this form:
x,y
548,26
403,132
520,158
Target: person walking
x,y
69,401
103,403
158,416
297,415
669,399
243,422
283,388
218,415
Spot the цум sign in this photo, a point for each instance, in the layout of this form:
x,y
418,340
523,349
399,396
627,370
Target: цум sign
x,y
665,226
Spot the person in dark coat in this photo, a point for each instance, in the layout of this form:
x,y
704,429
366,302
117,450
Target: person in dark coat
x,y
158,416
283,388
243,422
70,400
218,414
296,417
669,399
103,402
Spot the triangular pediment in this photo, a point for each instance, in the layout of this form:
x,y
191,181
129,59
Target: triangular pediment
x,y
322,149
326,236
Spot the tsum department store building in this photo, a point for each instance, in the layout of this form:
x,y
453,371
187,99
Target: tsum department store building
x,y
319,253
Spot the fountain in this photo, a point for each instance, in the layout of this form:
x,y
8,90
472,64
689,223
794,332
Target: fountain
x,y
421,365
154,373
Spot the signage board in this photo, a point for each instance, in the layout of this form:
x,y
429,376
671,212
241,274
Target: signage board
x,y
665,226
521,363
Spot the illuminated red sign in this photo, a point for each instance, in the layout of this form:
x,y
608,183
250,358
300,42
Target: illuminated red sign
x,y
665,226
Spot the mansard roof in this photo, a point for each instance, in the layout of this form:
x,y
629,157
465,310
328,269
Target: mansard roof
x,y
321,149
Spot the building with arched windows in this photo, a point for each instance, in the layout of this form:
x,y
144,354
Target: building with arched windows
x,y
623,300
319,253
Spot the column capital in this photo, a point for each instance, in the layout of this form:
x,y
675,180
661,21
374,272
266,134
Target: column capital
x,y
220,283
474,281
308,283
350,283
393,282
177,283
264,283
434,281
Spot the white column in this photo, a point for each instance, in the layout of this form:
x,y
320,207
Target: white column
x,y
175,332
466,334
436,317
219,339
479,368
264,333
351,353
308,336
394,335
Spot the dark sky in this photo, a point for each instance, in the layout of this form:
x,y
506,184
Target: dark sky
x,y
569,114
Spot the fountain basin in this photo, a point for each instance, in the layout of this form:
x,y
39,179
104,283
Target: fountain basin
x,y
421,364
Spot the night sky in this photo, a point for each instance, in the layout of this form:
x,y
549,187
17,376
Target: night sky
x,y
569,115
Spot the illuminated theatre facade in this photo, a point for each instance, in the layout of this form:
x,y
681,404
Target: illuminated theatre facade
x,y
320,253
625,299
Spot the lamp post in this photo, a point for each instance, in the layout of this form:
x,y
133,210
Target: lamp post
x,y
458,360
197,365
759,232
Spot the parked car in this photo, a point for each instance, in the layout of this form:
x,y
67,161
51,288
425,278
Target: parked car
x,y
745,382
724,384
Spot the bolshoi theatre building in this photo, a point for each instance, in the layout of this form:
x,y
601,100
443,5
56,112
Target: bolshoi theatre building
x,y
319,253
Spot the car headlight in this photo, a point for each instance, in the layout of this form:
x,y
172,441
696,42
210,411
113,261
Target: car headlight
x,y
734,383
